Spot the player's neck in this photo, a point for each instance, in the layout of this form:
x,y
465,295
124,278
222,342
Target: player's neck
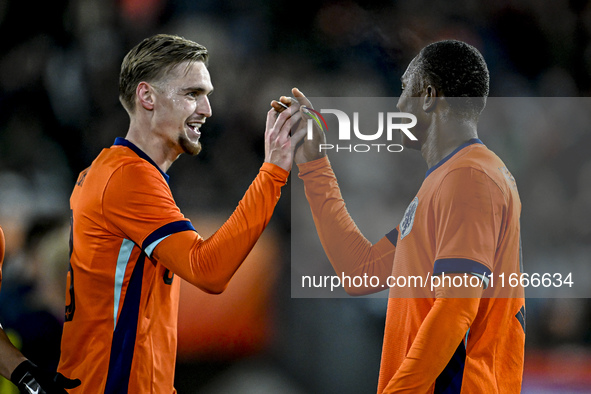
x,y
444,137
152,145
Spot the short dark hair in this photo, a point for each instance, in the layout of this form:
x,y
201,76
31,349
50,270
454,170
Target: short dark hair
x,y
150,59
459,71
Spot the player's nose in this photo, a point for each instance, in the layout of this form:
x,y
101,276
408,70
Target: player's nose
x,y
204,107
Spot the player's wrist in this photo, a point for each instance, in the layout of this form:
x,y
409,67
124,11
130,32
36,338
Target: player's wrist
x,y
276,170
23,372
281,160
308,167
29,378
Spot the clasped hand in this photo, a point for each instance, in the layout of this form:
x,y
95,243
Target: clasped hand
x,y
287,129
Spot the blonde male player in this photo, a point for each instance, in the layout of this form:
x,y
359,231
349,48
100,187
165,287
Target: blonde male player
x,y
129,239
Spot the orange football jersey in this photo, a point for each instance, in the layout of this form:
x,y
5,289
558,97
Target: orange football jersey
x,y
464,219
120,333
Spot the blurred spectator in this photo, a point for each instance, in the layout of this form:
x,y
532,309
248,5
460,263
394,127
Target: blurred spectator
x,y
31,301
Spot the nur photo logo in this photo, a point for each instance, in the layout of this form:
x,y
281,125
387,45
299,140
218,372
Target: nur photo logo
x,y
388,122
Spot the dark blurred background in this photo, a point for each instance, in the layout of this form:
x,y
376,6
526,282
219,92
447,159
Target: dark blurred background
x,y
59,66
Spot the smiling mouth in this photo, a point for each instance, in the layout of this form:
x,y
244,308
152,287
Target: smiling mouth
x,y
194,127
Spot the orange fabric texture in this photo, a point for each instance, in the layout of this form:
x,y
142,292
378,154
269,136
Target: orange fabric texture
x,y
347,249
209,264
129,240
420,368
464,219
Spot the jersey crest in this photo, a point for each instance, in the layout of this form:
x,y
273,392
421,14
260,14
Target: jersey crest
x,y
409,218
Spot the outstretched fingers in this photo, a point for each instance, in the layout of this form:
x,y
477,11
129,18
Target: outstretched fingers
x,y
271,119
301,98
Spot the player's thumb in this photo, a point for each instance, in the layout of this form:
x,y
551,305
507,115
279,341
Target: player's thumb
x,y
66,383
302,99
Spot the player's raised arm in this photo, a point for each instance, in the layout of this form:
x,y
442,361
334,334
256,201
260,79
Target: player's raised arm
x,y
211,263
345,246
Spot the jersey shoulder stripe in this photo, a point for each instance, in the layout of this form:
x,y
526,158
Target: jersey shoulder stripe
x,y
160,234
120,268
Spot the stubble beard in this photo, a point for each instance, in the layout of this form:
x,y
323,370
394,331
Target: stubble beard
x,y
189,147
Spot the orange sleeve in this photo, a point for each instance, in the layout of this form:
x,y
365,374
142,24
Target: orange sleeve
x,y
136,202
439,336
210,264
349,252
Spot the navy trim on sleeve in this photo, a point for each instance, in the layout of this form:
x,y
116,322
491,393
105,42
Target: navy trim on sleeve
x,y
123,142
446,158
462,266
456,266
166,230
393,236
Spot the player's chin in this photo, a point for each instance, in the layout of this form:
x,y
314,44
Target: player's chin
x,y
410,144
191,148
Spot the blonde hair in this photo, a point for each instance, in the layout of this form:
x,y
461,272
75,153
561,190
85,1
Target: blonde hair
x,y
151,59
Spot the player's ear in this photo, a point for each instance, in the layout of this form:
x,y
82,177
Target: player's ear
x,y
145,95
429,98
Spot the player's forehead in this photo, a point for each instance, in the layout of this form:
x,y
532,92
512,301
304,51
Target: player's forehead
x,y
189,74
412,71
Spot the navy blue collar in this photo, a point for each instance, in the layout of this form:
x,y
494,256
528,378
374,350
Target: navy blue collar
x,y
140,153
446,158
